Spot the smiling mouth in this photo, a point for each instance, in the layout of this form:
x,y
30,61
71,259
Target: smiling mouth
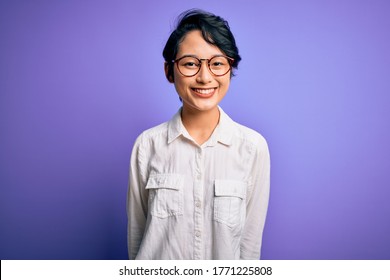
x,y
204,91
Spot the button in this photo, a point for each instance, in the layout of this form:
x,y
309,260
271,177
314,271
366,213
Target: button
x,y
197,204
197,233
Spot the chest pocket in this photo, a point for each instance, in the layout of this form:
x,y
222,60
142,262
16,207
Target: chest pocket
x,y
165,195
229,202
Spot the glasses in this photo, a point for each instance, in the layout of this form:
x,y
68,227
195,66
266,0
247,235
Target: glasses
x,y
218,65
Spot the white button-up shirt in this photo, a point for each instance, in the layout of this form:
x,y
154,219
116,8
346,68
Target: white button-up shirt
x,y
187,201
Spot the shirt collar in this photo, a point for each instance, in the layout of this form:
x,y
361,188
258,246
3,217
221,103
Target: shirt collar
x,y
175,127
222,133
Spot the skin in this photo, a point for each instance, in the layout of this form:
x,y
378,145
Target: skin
x,y
201,93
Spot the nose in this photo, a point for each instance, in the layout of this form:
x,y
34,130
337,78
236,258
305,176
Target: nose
x,y
204,76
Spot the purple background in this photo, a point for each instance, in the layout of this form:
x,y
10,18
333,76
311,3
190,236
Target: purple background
x,y
79,80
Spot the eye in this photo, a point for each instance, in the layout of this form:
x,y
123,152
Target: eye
x,y
190,64
218,63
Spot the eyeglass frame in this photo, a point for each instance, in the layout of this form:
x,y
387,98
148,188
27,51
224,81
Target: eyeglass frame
x,y
230,61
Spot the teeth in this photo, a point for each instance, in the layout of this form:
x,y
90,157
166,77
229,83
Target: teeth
x,y
204,91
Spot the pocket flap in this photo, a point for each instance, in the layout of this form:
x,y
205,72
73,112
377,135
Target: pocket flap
x,y
165,181
230,188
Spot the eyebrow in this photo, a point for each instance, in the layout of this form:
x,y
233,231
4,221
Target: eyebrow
x,y
193,55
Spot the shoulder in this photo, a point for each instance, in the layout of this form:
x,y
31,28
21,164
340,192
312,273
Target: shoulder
x,y
153,133
160,133
253,140
250,135
244,135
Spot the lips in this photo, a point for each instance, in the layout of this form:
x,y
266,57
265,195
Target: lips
x,y
204,92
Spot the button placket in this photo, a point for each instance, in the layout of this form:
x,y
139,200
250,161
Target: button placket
x,y
198,211
199,164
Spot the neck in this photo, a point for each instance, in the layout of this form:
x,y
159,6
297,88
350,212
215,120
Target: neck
x,y
200,124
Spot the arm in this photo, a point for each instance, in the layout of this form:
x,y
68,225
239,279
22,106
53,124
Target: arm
x,y
257,203
137,200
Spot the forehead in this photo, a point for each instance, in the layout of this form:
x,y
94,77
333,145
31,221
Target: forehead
x,y
194,44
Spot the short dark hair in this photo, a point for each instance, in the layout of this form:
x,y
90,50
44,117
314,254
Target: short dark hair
x,y
215,30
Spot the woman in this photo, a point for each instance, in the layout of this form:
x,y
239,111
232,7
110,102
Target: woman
x,y
199,183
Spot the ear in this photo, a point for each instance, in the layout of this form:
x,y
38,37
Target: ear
x,y
166,69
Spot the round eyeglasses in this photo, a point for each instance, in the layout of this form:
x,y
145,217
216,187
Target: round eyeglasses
x,y
218,65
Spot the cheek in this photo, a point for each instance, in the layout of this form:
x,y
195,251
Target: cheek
x,y
225,83
178,78
181,82
180,86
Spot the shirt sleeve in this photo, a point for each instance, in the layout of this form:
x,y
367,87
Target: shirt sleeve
x,y
137,199
257,203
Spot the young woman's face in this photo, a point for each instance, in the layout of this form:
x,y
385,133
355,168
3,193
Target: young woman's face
x,y
204,91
